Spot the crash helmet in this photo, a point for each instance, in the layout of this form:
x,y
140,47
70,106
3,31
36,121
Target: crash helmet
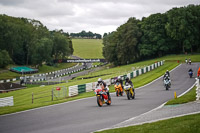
x,y
99,80
119,78
127,78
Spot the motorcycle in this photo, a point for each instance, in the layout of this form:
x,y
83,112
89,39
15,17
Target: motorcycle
x,y
190,74
190,62
130,92
102,96
118,89
167,83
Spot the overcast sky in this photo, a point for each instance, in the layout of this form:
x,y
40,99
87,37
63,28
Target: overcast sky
x,y
98,16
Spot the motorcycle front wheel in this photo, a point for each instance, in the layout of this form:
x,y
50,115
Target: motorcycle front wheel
x,y
167,87
117,93
128,95
99,101
133,96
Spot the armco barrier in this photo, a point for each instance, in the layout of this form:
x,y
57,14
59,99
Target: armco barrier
x,y
77,89
6,101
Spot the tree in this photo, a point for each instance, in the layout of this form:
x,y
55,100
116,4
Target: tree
x,y
154,41
121,47
183,26
4,59
109,49
42,52
61,46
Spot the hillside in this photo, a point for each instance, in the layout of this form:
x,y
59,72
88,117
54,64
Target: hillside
x,y
88,48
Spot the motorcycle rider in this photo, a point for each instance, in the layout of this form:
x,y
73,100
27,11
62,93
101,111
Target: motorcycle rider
x,y
198,73
129,82
190,61
167,78
100,81
119,80
166,74
190,70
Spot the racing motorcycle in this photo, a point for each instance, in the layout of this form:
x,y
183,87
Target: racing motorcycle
x,y
118,89
190,74
130,92
167,83
102,96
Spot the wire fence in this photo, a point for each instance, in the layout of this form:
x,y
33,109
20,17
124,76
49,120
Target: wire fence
x,y
56,93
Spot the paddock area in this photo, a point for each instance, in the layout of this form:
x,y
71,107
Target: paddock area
x,y
23,70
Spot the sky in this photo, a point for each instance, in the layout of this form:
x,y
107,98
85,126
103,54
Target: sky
x,y
98,16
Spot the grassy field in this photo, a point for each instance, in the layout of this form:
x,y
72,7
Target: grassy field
x,y
188,97
43,69
87,48
185,124
22,98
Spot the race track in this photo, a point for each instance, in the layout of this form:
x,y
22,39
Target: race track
x,y
83,116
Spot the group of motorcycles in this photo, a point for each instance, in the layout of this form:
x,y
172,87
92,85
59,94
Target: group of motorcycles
x,y
167,81
104,98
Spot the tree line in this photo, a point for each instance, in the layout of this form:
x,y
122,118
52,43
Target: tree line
x,y
174,32
28,42
84,34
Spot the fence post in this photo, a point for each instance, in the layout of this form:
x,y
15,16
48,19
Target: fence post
x,y
32,98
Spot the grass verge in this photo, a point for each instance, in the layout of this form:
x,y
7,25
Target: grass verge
x,y
185,124
188,97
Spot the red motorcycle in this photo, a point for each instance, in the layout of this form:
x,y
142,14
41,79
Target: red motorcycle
x,y
102,96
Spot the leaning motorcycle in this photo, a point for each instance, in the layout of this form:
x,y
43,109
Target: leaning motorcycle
x,y
167,83
102,96
118,89
130,92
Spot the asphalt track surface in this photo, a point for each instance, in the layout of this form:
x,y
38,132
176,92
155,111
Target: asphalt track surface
x,y
83,116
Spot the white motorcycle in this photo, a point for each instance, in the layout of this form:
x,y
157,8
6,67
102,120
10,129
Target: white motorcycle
x,y
167,83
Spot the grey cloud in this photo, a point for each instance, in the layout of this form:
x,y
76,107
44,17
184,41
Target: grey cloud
x,y
94,15
11,2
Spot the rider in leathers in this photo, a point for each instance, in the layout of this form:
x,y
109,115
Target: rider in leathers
x,y
100,81
119,80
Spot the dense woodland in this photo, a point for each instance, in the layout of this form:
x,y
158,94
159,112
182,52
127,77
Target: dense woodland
x,y
175,32
84,34
28,42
